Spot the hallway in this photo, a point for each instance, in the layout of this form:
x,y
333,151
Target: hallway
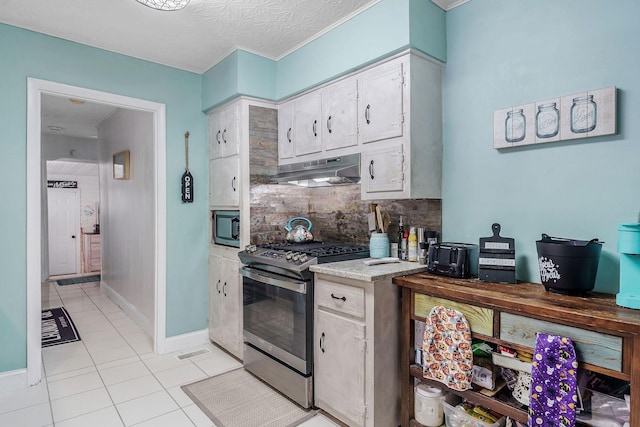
x,y
112,377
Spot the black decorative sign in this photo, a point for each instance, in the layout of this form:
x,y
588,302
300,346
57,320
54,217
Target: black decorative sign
x,y
62,184
187,187
187,179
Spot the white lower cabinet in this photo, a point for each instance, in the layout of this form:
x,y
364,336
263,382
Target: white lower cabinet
x,y
339,370
356,350
225,296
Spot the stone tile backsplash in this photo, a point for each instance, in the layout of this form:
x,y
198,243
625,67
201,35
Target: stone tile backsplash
x,y
337,213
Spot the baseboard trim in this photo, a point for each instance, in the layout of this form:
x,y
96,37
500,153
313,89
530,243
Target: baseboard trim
x,y
185,341
13,380
131,311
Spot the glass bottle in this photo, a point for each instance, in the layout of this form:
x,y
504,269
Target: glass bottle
x,y
515,126
583,114
547,120
400,237
412,244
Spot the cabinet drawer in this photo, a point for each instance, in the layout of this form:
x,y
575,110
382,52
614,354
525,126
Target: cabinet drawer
x,y
342,298
591,347
480,319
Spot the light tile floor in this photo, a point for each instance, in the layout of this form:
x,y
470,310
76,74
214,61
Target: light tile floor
x,y
112,377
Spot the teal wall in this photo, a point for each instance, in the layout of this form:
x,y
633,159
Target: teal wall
x,y
503,53
28,54
220,83
427,28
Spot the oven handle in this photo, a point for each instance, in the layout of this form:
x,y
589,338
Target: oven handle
x,y
269,279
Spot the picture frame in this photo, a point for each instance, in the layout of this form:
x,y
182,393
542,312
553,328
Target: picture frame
x,y
121,168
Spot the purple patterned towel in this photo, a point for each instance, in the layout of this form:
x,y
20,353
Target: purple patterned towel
x,y
554,386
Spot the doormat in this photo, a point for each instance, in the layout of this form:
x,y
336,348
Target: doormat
x,y
57,327
76,280
238,399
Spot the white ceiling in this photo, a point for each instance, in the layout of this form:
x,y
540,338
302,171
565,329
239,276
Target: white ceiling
x,y
60,116
62,167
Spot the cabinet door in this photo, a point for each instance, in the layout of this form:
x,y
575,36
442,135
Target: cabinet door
x,y
339,367
381,112
307,128
223,181
285,131
383,169
231,312
215,297
215,142
340,114
230,130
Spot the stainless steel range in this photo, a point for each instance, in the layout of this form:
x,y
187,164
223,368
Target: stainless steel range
x,y
278,311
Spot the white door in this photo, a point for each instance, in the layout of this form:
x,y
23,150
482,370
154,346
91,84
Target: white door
x,y
224,188
383,169
285,130
63,228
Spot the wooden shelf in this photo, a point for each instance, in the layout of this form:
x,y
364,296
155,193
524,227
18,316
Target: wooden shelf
x,y
475,397
605,335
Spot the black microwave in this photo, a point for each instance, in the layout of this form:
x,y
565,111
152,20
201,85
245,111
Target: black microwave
x,y
226,228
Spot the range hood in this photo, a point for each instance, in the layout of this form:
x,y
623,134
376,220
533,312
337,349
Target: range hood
x,y
319,173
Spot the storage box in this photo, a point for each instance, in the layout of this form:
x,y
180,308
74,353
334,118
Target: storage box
x,y
457,417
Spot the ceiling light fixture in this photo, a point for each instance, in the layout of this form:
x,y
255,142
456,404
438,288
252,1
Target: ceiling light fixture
x,y
55,128
76,101
164,4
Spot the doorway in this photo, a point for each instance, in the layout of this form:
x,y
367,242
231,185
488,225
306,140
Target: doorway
x,y
63,206
35,89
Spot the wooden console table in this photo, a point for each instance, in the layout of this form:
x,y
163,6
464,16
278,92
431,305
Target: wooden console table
x,y
606,337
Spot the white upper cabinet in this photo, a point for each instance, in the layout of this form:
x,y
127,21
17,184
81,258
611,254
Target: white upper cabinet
x,y
402,141
340,114
224,132
307,124
285,130
224,182
381,109
384,169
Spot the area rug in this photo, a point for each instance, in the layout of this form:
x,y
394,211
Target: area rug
x,y
57,327
238,399
76,280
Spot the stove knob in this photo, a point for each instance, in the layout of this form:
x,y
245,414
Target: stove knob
x,y
288,256
303,258
296,257
247,248
252,248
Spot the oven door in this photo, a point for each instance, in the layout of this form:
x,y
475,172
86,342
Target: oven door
x,y
278,317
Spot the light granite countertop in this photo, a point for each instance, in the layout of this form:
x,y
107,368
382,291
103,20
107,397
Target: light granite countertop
x,y
356,269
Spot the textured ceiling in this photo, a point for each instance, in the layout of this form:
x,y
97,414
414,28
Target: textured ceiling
x,y
62,167
194,38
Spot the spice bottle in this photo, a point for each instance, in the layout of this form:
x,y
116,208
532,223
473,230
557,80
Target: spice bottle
x,y
403,245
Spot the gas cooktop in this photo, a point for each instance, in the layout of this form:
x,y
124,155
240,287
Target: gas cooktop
x,y
299,256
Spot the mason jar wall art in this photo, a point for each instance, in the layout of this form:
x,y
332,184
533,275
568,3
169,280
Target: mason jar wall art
x,y
547,120
515,126
581,115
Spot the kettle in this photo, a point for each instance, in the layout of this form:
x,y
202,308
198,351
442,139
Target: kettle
x,y
299,234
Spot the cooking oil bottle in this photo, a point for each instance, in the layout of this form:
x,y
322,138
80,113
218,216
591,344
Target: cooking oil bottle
x,y
413,245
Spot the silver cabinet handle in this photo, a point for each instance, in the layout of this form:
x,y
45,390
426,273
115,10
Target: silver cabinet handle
x,y
371,169
329,124
223,138
367,113
233,183
218,136
218,286
289,134
322,342
315,125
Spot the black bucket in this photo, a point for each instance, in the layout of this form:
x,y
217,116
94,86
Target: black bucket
x,y
568,266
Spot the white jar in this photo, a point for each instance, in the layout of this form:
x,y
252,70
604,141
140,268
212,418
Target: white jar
x,y
428,406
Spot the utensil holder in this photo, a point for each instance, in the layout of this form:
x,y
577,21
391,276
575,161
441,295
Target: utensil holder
x,y
379,245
